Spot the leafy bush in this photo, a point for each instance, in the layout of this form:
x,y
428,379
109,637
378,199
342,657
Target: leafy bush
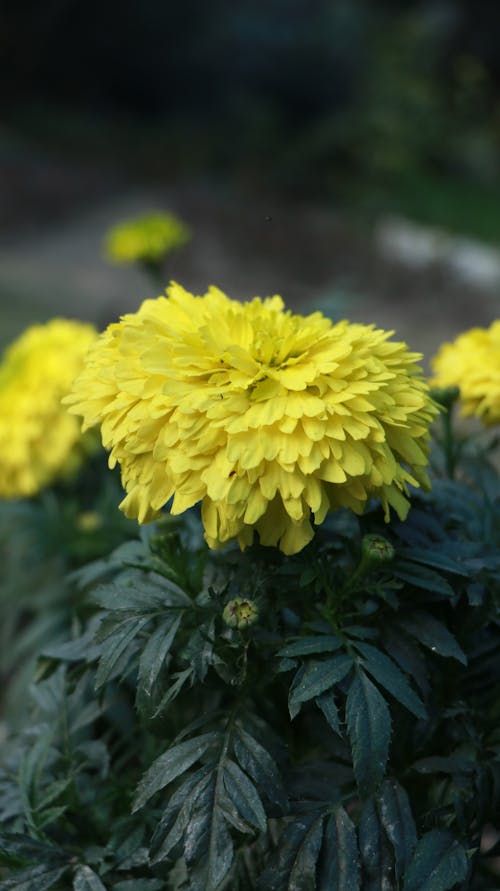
x,y
335,728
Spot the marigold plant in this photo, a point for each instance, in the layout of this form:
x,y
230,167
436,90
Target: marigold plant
x,y
268,418
147,239
38,437
472,363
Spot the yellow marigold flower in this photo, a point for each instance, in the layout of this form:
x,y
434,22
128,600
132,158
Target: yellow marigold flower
x,y
147,239
266,417
39,439
472,363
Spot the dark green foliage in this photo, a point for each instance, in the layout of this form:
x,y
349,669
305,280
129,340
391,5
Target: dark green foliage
x,y
347,741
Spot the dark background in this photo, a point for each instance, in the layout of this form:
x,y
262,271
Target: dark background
x,y
282,130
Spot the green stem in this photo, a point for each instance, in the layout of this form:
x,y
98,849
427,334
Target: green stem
x,y
449,443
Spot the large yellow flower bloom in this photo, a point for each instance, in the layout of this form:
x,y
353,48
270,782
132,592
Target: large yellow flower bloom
x,y
147,239
39,439
472,363
266,417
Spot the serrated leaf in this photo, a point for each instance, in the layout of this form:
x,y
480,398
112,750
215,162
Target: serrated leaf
x,y
308,645
244,795
434,635
175,820
422,577
174,762
116,645
315,677
35,878
397,819
209,873
375,851
369,728
404,650
387,673
86,879
438,864
326,702
154,654
437,559
303,872
295,866
177,683
256,761
339,862
18,848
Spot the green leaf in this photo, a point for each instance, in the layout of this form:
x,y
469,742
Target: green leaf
x,y
375,851
303,872
397,819
154,654
434,558
116,645
387,673
179,812
438,864
177,683
213,861
86,880
339,862
326,702
244,795
139,885
297,855
35,878
18,848
308,645
315,677
369,728
434,635
405,651
260,766
174,762
422,577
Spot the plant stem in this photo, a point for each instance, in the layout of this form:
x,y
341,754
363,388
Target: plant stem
x,y
448,443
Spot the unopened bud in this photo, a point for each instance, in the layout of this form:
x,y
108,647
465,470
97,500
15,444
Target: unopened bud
x,y
445,396
240,613
377,549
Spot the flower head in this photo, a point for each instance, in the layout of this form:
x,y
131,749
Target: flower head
x,y
267,418
146,239
240,613
39,439
472,363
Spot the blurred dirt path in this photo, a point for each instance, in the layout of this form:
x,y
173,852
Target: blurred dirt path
x,y
308,254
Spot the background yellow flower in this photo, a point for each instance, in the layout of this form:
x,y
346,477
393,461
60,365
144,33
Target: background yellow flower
x,y
266,417
146,239
472,363
38,438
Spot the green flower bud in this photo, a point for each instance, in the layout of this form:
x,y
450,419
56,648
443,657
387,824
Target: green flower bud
x,y
377,549
240,613
445,396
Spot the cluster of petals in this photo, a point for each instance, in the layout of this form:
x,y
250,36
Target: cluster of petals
x,y
268,418
39,440
146,239
472,363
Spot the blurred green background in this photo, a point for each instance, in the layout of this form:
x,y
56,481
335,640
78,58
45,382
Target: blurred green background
x,y
344,154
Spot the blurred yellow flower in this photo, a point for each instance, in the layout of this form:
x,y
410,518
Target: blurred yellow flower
x,y
39,439
147,239
472,363
266,417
